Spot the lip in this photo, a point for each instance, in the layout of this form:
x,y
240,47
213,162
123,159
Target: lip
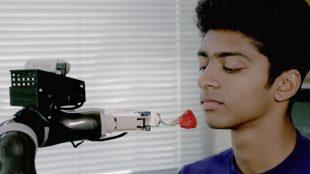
x,y
210,104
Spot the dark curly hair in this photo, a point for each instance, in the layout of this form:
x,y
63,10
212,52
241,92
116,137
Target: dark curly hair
x,y
281,27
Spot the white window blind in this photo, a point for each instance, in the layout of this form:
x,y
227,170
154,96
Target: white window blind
x,y
136,54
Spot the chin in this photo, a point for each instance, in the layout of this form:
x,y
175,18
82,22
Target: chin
x,y
215,121
218,125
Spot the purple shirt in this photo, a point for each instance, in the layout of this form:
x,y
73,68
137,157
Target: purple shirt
x,y
298,162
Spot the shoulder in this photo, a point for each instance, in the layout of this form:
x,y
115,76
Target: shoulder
x,y
304,157
306,146
212,164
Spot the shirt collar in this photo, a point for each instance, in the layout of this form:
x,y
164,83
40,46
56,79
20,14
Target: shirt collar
x,y
288,164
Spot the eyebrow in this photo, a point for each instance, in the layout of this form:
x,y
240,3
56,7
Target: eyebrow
x,y
223,54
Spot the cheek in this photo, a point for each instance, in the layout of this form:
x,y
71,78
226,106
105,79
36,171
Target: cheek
x,y
248,98
249,84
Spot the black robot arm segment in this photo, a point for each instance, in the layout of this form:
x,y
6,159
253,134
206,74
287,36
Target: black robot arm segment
x,y
59,127
18,148
17,153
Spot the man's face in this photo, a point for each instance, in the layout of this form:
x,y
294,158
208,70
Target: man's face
x,y
233,80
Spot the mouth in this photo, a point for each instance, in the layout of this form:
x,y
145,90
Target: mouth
x,y
210,104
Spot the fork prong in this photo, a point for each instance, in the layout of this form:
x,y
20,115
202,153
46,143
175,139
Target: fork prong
x,y
171,123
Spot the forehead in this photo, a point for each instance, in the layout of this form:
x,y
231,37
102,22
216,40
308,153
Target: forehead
x,y
217,42
227,40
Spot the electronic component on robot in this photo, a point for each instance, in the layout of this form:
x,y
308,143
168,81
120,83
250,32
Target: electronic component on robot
x,y
57,66
33,88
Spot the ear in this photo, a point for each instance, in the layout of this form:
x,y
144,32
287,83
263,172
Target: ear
x,y
287,84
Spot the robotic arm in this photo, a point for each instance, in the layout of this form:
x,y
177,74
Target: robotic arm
x,y
51,104
84,124
51,115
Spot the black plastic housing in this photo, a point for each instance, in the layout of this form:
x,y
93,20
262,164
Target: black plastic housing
x,y
43,90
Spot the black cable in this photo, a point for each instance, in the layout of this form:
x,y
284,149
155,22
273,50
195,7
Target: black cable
x,y
113,137
76,145
103,139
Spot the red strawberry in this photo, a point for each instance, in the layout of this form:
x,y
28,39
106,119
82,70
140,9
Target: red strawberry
x,y
188,120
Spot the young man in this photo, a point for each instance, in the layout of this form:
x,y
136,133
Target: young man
x,y
253,58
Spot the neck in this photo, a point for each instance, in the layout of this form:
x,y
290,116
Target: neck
x,y
261,147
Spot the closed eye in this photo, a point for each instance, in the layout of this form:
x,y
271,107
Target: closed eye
x,y
231,70
202,68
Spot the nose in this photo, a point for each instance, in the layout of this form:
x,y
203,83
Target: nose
x,y
209,78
